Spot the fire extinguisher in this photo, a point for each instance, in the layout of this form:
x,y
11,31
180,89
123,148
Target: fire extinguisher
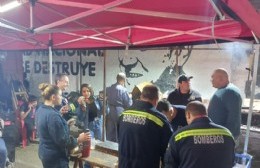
x,y
86,146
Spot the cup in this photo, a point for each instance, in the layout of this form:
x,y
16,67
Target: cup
x,y
93,143
86,146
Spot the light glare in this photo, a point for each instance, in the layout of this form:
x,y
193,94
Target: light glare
x,y
9,6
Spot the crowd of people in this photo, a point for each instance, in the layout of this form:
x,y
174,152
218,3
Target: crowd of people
x,y
179,132
152,132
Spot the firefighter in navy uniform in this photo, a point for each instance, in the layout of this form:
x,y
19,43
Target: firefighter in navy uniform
x,y
174,113
201,144
143,132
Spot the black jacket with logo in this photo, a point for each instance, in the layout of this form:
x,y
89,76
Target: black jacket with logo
x,y
200,144
177,98
143,136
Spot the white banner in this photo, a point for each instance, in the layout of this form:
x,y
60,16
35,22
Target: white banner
x,y
158,66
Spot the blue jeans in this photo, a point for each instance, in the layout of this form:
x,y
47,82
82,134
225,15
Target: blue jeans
x,y
3,153
86,165
96,127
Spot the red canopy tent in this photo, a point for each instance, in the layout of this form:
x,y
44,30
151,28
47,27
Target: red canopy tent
x,y
67,24
121,23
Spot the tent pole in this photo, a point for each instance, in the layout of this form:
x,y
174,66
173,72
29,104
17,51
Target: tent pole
x,y
50,58
249,118
31,14
214,6
104,98
80,72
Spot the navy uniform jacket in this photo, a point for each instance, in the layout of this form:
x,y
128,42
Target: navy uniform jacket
x,y
180,119
200,144
54,135
118,99
177,98
143,136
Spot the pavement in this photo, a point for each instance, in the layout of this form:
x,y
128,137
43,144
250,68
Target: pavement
x,y
28,157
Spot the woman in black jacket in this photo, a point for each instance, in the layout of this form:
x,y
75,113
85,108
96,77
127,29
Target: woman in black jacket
x,y
89,112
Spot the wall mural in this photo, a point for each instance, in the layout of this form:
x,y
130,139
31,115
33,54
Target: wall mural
x,y
159,66
167,80
129,68
177,57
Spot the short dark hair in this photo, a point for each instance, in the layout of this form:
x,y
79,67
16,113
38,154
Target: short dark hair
x,y
196,108
59,76
184,77
32,98
163,105
150,92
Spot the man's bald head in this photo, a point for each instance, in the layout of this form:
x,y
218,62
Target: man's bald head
x,y
220,78
223,72
121,78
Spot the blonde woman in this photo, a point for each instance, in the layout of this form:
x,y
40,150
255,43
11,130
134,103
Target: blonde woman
x,y
55,141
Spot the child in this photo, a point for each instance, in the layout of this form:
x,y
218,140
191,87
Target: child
x,y
28,115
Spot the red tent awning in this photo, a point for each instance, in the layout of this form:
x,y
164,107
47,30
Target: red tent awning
x,y
120,23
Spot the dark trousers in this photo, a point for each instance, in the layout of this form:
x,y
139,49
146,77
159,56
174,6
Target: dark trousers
x,y
55,163
29,129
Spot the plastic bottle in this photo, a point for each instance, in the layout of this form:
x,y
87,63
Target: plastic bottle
x,y
86,146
